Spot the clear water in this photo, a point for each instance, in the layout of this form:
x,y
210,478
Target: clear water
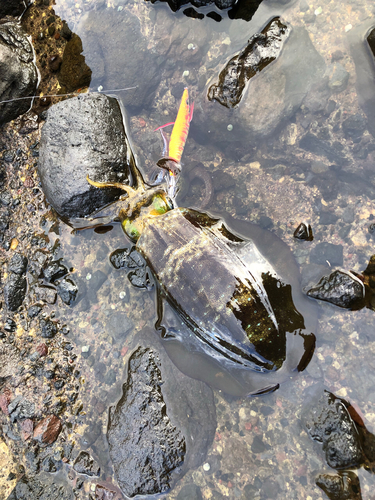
x,y
269,177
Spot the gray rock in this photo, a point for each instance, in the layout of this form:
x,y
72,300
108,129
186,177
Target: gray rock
x,y
15,291
83,136
85,464
9,359
67,290
17,69
324,252
118,324
338,77
328,421
341,289
123,58
190,492
20,408
17,264
33,489
162,425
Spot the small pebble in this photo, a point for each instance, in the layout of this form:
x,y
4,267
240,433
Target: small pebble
x,y
230,127
191,46
119,8
122,295
85,348
318,11
186,73
88,276
206,467
348,27
100,88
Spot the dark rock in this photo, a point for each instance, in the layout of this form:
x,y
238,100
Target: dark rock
x,y
17,264
262,49
338,77
48,430
340,288
13,8
180,418
120,258
141,278
19,74
328,421
108,56
265,222
340,486
303,232
54,271
33,311
15,291
85,464
49,464
190,12
324,252
314,144
327,218
354,126
20,408
48,328
67,291
74,72
190,492
258,445
102,493
89,130
65,31
10,325
33,489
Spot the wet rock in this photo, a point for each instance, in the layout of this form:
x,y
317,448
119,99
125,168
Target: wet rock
x,y
354,126
87,129
338,77
48,430
180,418
340,486
54,271
85,464
20,408
126,257
48,328
10,325
328,421
108,56
13,8
33,311
303,232
268,100
45,294
340,288
19,75
27,428
118,325
74,72
49,464
102,493
262,49
190,492
42,350
324,252
67,291
327,218
15,291
18,264
315,144
33,489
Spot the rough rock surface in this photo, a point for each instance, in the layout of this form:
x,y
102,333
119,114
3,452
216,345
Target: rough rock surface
x,y
269,99
17,69
341,486
13,7
47,431
340,288
33,489
83,136
85,464
162,425
14,291
328,420
261,50
9,359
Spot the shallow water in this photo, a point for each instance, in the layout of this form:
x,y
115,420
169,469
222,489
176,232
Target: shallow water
x,y
260,449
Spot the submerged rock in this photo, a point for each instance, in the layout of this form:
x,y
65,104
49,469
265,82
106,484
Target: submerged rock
x,y
15,291
328,420
340,288
340,486
48,430
74,73
33,489
83,136
85,464
269,99
19,76
324,252
262,49
13,8
303,232
162,425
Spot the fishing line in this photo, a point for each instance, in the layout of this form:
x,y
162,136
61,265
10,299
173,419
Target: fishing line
x,y
64,95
